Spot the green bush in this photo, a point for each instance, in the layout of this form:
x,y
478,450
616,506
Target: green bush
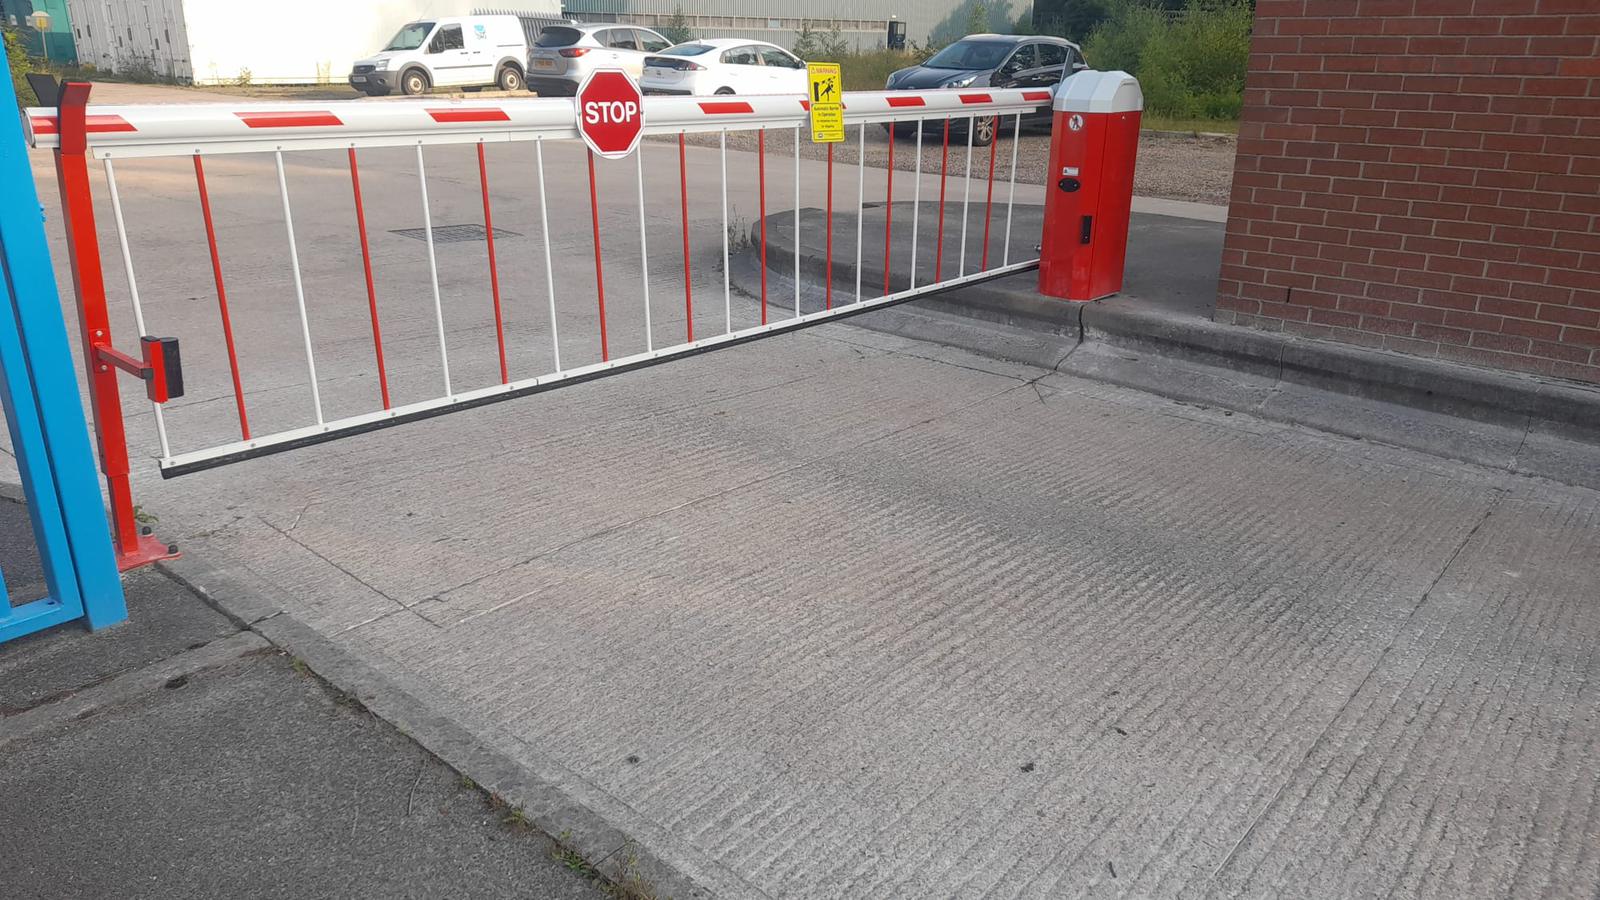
x,y
1190,65
17,56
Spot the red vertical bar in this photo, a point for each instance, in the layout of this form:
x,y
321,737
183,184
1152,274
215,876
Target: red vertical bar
x,y
599,271
828,294
944,160
761,169
988,202
94,321
888,212
222,297
366,266
494,271
688,286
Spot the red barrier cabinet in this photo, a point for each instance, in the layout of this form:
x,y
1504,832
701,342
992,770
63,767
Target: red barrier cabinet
x,y
1087,203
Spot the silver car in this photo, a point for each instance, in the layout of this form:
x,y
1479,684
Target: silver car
x,y
564,54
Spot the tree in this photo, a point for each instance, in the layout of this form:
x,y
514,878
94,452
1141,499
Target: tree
x,y
978,18
677,29
812,43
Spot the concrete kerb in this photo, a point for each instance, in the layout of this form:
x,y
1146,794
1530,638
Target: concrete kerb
x,y
618,843
1497,419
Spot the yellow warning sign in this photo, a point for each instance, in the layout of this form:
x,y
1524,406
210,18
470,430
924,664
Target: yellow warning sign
x,y
827,102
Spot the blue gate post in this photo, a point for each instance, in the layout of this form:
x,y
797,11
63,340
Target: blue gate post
x,y
44,413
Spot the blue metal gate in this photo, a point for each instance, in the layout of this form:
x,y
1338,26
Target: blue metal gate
x,y
45,415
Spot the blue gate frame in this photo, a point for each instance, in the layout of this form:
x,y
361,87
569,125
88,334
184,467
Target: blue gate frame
x,y
45,414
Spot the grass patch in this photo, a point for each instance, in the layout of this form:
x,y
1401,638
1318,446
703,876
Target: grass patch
x,y
1154,122
869,71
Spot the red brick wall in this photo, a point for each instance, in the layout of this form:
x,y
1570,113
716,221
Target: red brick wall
x,y
1423,176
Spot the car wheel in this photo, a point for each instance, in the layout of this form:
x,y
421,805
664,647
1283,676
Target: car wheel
x,y
414,82
510,79
724,91
983,131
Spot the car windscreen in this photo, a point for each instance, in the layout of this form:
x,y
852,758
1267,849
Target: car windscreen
x,y
688,50
970,55
410,37
557,36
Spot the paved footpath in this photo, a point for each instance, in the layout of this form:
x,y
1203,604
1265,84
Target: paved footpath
x,y
841,614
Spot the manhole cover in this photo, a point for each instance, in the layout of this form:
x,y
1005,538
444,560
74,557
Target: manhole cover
x,y
453,234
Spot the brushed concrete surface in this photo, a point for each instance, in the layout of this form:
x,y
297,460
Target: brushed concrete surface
x,y
845,614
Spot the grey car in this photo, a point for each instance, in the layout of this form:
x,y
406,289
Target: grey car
x,y
991,60
563,55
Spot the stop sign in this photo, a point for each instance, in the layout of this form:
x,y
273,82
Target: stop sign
x,y
610,112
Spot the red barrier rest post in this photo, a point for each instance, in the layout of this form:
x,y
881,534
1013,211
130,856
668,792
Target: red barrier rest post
x,y
133,547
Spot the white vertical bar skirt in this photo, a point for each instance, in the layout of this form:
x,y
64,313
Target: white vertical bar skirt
x,y
966,197
433,271
797,221
133,293
299,289
644,255
1016,135
861,204
727,290
549,270
916,203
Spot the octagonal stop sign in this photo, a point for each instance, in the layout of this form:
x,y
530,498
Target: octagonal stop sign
x,y
610,112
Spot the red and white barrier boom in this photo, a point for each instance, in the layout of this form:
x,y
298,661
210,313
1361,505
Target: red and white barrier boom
x,y
198,132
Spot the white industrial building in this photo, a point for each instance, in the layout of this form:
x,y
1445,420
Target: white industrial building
x,y
229,42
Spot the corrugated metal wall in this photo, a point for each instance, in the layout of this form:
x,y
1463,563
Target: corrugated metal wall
x,y
862,22
132,36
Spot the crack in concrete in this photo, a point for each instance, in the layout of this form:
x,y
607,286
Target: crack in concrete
x,y
346,572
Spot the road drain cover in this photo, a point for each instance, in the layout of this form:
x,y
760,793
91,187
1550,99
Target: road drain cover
x,y
453,234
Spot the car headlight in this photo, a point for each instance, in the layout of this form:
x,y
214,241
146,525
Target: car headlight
x,y
380,65
961,82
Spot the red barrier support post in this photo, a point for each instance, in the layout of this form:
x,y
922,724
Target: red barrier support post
x,y
372,291
599,270
494,270
134,545
222,296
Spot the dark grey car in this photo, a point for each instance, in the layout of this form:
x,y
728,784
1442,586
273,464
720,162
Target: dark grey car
x,y
991,60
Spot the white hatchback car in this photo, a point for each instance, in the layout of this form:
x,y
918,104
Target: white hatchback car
x,y
724,66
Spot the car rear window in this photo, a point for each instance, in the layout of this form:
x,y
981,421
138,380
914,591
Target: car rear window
x,y
688,50
557,36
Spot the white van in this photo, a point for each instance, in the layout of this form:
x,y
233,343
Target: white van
x,y
448,51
